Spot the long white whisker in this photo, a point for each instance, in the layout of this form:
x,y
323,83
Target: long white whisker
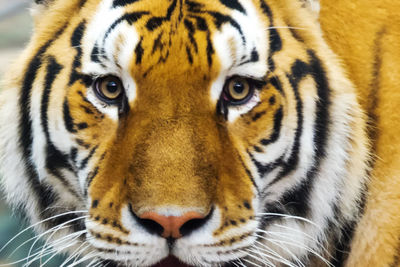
x,y
286,27
55,229
283,260
275,254
37,255
96,262
38,223
27,241
77,253
74,237
286,216
252,263
51,249
260,257
87,257
296,244
307,236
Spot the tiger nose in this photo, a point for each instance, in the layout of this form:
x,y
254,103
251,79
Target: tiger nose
x,y
173,226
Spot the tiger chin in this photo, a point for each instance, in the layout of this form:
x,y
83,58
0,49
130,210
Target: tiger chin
x,y
185,133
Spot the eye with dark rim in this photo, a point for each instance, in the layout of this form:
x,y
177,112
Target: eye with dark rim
x,y
109,89
238,90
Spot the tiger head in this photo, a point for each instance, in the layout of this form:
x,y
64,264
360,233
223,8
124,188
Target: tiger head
x,y
217,132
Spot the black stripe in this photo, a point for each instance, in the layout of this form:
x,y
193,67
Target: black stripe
x,y
275,41
299,70
220,19
82,3
249,173
156,22
210,50
258,115
396,258
74,155
276,82
222,109
85,161
276,130
193,6
129,17
254,57
266,10
68,120
157,44
90,178
139,51
95,55
191,31
45,195
76,42
342,243
263,170
119,3
233,4
201,23
189,55
53,69
297,199
55,159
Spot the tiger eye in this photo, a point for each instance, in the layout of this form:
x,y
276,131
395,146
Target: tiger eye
x,y
238,90
109,88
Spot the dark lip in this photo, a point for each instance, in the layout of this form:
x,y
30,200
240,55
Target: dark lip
x,y
171,261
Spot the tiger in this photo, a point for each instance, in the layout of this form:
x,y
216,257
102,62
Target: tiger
x,y
207,132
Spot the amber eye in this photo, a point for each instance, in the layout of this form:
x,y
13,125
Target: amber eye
x,y
238,90
109,89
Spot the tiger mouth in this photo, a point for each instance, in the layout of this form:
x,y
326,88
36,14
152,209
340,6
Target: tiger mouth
x,y
171,261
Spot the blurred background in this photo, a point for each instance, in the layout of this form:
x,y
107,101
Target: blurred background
x,y
15,29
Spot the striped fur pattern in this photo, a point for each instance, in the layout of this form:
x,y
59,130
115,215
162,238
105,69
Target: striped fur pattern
x,y
278,178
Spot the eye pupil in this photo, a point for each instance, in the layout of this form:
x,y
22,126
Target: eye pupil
x,y
112,87
239,87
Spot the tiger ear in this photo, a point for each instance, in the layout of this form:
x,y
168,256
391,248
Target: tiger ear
x,y
312,5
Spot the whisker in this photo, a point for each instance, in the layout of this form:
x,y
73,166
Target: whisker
x,y
96,262
55,229
27,241
74,237
319,243
53,252
51,249
287,216
77,252
38,223
296,244
282,259
286,27
87,257
259,257
252,263
269,250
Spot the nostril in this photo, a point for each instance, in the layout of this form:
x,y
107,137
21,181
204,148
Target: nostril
x,y
150,225
171,227
194,224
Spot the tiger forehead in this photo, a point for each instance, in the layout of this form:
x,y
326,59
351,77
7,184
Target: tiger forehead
x,y
175,35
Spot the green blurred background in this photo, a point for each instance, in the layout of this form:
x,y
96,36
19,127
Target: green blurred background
x,y
15,29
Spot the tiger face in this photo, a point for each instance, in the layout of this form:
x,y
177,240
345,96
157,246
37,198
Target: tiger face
x,y
203,130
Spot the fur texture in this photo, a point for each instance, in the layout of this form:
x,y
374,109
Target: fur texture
x,y
277,178
367,41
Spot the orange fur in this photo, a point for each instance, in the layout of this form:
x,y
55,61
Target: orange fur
x,y
366,35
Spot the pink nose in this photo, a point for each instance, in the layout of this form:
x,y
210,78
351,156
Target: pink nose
x,y
172,224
